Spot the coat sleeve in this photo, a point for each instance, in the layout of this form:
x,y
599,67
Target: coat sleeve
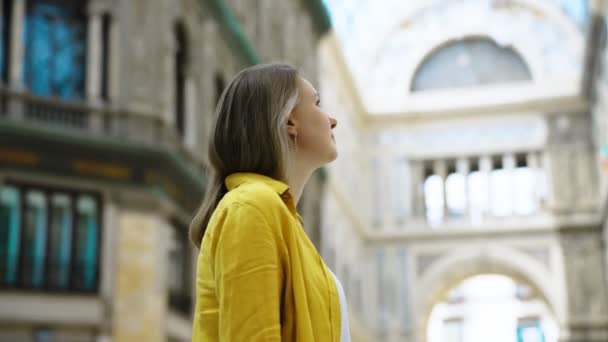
x,y
248,276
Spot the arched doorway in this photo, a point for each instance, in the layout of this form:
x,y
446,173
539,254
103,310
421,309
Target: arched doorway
x,y
491,307
518,271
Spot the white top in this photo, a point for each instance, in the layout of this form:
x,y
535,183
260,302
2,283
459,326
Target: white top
x,y
345,327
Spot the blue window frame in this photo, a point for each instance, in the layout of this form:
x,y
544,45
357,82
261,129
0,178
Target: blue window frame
x,y
10,215
530,332
49,239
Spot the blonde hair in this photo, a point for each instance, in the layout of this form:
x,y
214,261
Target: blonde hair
x,y
249,133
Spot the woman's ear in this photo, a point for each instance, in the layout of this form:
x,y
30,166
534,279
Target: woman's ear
x,y
292,128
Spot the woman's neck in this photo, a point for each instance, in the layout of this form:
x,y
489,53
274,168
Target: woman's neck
x,y
297,179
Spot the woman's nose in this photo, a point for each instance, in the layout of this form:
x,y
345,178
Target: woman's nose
x,y
333,122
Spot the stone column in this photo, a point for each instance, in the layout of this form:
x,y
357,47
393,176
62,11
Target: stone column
x,y
533,163
508,165
440,168
114,83
584,268
463,167
485,166
418,207
93,79
17,54
190,114
93,87
169,63
140,296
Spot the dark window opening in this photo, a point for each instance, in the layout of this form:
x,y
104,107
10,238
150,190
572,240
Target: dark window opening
x,y
5,35
106,22
181,60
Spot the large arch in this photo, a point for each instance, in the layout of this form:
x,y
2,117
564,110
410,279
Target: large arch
x,y
521,71
394,56
458,265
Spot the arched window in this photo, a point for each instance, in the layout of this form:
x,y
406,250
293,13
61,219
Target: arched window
x,y
55,48
181,67
470,62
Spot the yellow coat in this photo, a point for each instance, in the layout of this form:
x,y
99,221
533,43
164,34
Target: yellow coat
x,y
259,277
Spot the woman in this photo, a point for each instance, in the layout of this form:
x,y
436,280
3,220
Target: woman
x,y
259,278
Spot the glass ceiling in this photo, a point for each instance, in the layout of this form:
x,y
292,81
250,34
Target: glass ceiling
x,y
385,40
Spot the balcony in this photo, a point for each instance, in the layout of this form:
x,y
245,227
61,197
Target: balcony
x,y
100,121
97,143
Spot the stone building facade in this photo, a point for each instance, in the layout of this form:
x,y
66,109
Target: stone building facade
x,y
431,146
104,112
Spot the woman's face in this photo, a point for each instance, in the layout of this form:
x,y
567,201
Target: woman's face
x,y
312,128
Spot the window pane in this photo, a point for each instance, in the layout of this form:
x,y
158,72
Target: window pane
x,y
86,243
60,241
55,48
470,62
10,216
5,35
34,239
530,332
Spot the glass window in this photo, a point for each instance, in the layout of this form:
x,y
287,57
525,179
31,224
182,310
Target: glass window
x,y
106,23
470,62
5,35
60,236
55,48
530,331
181,60
34,239
86,239
10,216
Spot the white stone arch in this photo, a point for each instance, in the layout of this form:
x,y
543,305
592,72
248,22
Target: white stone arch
x,y
462,263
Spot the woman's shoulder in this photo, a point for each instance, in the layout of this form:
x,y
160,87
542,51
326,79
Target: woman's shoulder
x,y
256,196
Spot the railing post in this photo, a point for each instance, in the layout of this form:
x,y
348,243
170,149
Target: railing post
x,y
463,167
417,192
508,164
485,166
440,168
533,163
